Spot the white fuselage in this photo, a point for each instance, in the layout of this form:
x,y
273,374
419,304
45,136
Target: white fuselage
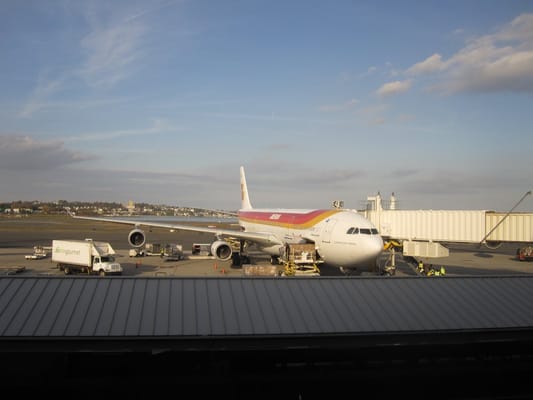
x,y
343,238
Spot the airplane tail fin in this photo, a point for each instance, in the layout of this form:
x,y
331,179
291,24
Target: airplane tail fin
x,y
245,200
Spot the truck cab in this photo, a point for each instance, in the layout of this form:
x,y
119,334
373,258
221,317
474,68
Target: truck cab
x,y
106,265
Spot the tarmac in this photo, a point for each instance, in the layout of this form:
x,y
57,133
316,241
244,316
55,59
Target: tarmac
x,y
18,236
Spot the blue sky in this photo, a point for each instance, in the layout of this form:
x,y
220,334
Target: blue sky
x,y
162,101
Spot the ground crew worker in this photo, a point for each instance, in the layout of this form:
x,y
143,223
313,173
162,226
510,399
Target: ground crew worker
x,y
428,270
420,266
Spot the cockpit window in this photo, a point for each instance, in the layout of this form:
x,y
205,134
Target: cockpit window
x,y
364,231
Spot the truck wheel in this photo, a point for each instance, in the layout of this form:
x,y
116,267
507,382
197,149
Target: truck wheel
x,y
102,272
66,270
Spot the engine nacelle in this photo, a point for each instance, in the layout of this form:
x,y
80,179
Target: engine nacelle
x,y
136,237
221,250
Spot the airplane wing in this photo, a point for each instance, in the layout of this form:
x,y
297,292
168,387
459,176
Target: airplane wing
x,y
253,237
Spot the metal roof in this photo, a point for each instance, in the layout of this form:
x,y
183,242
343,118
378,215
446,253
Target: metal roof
x,y
112,307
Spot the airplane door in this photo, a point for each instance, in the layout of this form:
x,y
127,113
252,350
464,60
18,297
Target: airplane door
x,y
290,225
328,228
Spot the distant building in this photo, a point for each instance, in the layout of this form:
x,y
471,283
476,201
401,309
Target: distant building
x,y
130,207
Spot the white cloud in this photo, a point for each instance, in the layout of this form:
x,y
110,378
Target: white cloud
x,y
159,126
430,64
39,97
502,61
521,28
393,88
370,71
112,53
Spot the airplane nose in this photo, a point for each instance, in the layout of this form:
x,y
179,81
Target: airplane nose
x,y
377,245
375,250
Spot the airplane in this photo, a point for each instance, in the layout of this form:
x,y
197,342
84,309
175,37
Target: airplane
x,y
343,238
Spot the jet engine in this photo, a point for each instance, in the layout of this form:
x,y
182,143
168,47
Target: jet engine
x,y
136,237
221,250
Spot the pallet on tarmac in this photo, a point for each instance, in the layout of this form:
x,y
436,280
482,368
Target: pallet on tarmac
x,y
15,269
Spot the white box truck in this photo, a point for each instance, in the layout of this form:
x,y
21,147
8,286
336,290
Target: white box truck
x,y
86,256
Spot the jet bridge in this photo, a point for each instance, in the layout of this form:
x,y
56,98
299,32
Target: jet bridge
x,y
420,232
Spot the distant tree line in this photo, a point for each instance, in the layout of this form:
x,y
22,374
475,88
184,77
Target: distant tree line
x,y
97,208
56,207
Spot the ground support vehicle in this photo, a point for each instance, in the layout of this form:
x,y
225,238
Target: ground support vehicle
x,y
172,252
525,253
39,252
300,259
152,249
201,249
85,256
136,253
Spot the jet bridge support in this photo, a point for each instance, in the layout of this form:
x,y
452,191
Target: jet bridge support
x,y
389,268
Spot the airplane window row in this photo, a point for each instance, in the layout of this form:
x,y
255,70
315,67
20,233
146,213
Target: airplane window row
x,y
364,231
